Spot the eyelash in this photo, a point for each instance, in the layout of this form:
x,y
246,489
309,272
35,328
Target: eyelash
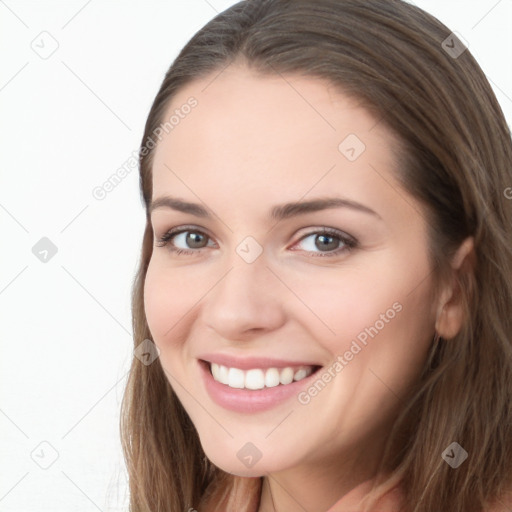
x,y
350,243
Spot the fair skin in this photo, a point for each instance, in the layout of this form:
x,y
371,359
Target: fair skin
x,y
253,142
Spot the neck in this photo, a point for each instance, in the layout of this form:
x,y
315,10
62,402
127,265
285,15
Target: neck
x,y
314,486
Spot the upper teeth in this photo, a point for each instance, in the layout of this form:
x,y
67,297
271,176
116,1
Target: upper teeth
x,y
258,378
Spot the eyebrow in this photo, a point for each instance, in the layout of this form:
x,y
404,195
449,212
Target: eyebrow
x,y
278,212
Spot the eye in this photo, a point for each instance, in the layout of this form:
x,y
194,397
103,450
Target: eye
x,y
190,238
327,242
323,242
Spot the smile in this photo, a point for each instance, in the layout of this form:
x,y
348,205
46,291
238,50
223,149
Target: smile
x,y
258,378
260,386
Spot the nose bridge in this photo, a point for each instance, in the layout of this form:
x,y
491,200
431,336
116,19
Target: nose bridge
x,y
244,298
248,273
245,282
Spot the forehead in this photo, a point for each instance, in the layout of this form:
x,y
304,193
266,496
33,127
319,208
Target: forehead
x,y
268,135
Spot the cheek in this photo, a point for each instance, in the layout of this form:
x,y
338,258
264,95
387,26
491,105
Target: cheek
x,y
337,308
164,307
382,310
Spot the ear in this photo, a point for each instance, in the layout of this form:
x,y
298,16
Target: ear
x,y
450,311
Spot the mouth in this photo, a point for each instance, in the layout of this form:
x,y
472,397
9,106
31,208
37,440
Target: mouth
x,y
259,378
253,390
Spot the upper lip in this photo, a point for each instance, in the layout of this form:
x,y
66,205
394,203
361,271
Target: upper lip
x,y
247,363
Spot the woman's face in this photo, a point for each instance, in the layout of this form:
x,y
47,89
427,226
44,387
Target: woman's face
x,y
263,291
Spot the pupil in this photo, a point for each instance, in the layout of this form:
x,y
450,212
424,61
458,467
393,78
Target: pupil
x,y
324,242
194,238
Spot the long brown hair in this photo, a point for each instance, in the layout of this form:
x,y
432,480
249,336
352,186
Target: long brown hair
x,y
455,158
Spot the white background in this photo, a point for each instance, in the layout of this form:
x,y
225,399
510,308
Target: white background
x,y
68,122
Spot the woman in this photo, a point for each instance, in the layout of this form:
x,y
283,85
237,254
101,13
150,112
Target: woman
x,y
326,270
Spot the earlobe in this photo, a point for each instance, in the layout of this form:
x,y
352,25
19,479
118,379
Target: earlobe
x,y
450,312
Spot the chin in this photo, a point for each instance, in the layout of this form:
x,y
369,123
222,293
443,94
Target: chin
x,y
234,467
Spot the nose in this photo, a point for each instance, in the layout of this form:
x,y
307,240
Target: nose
x,y
247,301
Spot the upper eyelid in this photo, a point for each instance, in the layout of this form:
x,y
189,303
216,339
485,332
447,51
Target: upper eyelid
x,y
178,230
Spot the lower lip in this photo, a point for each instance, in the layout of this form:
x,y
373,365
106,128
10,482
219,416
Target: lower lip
x,y
247,400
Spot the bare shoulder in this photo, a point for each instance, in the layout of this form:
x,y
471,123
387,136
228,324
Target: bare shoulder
x,y
502,504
